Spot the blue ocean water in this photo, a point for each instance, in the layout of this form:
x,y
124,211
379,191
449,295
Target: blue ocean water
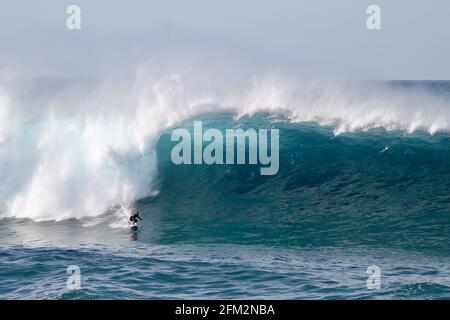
x,y
339,204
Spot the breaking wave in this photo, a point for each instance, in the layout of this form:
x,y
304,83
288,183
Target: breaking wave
x,y
74,148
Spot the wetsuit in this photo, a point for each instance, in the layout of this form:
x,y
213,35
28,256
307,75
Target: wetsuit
x,y
134,218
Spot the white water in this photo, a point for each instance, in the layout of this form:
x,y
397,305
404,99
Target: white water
x,y
79,149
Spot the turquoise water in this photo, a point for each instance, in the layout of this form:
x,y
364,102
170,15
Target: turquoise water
x,y
338,205
220,232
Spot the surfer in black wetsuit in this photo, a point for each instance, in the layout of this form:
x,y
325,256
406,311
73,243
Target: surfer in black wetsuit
x,y
134,218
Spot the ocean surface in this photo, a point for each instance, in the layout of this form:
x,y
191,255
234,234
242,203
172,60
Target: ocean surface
x,y
364,180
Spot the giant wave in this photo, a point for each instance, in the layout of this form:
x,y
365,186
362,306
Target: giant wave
x,y
77,148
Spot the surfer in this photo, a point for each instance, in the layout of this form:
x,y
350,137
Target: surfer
x,y
134,218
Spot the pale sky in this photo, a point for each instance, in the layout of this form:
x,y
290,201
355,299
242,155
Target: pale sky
x,y
314,37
